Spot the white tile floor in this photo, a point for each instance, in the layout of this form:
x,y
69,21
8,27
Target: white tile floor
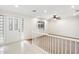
x,y
21,47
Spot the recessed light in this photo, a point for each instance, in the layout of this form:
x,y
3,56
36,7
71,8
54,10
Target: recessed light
x,y
45,11
16,6
72,6
74,14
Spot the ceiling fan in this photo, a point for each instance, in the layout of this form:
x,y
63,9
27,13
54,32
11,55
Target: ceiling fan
x,y
54,17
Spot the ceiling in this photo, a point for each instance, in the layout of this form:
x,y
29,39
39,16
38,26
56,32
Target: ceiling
x,y
44,11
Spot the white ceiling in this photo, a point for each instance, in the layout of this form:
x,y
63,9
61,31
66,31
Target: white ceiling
x,y
61,10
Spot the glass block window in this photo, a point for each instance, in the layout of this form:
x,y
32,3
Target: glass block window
x,y
1,27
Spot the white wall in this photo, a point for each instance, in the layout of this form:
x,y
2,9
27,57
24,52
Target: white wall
x,y
66,27
11,36
28,28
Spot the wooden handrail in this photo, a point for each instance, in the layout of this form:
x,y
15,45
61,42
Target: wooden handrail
x,y
60,36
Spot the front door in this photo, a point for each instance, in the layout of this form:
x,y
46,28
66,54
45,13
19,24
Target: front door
x,y
13,29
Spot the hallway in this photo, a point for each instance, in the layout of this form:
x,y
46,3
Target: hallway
x,y
20,47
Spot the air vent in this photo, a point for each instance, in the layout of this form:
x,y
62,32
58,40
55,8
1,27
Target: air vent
x,y
77,10
33,10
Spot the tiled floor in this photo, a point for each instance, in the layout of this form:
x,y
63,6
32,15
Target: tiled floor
x,y
21,47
